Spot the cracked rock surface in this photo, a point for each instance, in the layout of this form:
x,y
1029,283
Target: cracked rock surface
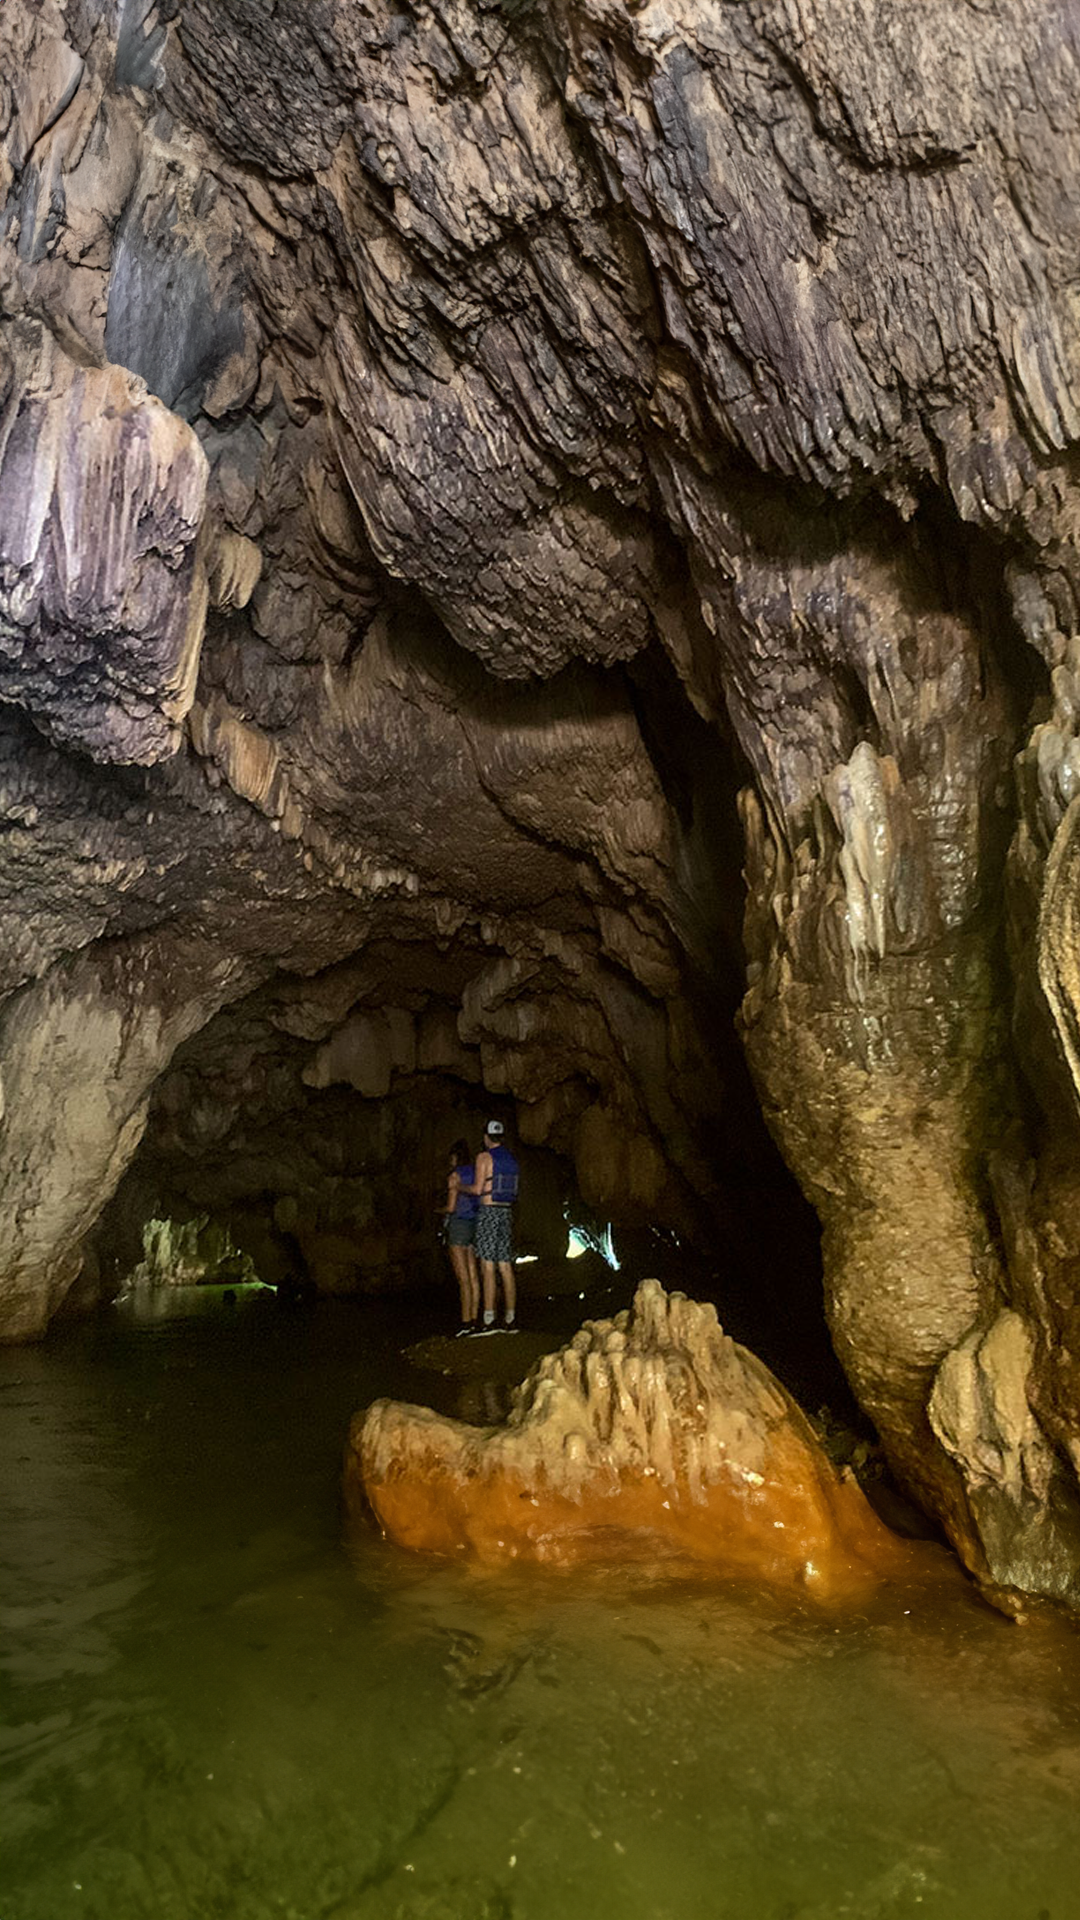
x,y
446,452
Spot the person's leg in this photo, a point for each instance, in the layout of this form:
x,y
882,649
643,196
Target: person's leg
x,y
461,1275
504,1255
487,1268
487,1253
473,1283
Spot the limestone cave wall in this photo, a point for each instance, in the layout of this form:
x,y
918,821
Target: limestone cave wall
x,y
447,453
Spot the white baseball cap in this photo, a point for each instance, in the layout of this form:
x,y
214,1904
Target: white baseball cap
x,y
494,1128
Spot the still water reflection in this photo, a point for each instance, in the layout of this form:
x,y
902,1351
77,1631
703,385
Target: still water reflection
x,y
213,1709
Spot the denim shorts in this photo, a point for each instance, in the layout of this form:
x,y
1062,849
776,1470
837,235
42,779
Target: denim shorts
x,y
459,1231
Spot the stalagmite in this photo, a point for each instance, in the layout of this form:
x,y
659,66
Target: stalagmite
x,y
651,1439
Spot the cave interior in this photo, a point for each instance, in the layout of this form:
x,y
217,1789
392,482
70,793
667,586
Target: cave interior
x,y
539,577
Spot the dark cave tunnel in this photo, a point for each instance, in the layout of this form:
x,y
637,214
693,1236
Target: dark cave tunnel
x,y
327,1181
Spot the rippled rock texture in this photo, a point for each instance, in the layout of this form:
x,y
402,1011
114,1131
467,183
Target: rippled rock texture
x,y
445,452
650,1439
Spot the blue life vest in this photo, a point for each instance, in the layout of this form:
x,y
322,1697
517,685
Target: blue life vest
x,y
466,1204
503,1185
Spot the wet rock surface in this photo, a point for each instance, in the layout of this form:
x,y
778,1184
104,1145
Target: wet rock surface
x,y
650,1438
446,452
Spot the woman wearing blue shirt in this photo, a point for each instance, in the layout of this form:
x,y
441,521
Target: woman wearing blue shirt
x,y
461,1208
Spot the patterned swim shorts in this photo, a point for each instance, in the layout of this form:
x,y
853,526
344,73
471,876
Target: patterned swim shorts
x,y
494,1234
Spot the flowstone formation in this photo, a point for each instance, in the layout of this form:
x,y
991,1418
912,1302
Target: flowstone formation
x,y
652,1439
447,450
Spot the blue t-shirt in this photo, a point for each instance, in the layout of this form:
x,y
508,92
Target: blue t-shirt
x,y
466,1203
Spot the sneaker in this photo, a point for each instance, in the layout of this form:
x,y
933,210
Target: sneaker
x,y
465,1330
483,1332
510,1326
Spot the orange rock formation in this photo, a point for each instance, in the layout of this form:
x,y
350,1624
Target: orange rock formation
x,y
651,1438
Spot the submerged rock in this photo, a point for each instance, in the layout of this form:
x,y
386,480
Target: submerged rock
x,y
652,1437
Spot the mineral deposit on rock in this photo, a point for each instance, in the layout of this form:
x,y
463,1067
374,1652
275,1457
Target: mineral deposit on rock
x,y
651,1438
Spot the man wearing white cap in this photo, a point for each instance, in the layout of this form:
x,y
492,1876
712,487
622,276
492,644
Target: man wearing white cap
x,y
496,1183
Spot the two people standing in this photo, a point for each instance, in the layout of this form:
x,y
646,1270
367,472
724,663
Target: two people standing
x,y
496,1186
492,1187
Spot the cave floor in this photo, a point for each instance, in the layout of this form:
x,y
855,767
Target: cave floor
x,y
215,1709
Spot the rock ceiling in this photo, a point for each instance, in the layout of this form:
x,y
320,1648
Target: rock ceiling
x,y
446,452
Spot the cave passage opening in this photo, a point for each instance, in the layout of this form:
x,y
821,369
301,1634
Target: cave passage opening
x,y
300,1135
309,1153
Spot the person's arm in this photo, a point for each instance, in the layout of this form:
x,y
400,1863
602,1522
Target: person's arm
x,y
481,1174
452,1188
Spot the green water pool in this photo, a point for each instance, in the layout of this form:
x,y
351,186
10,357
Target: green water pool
x,y
218,1709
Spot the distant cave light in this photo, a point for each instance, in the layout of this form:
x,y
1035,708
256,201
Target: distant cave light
x,y
190,1253
592,1240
